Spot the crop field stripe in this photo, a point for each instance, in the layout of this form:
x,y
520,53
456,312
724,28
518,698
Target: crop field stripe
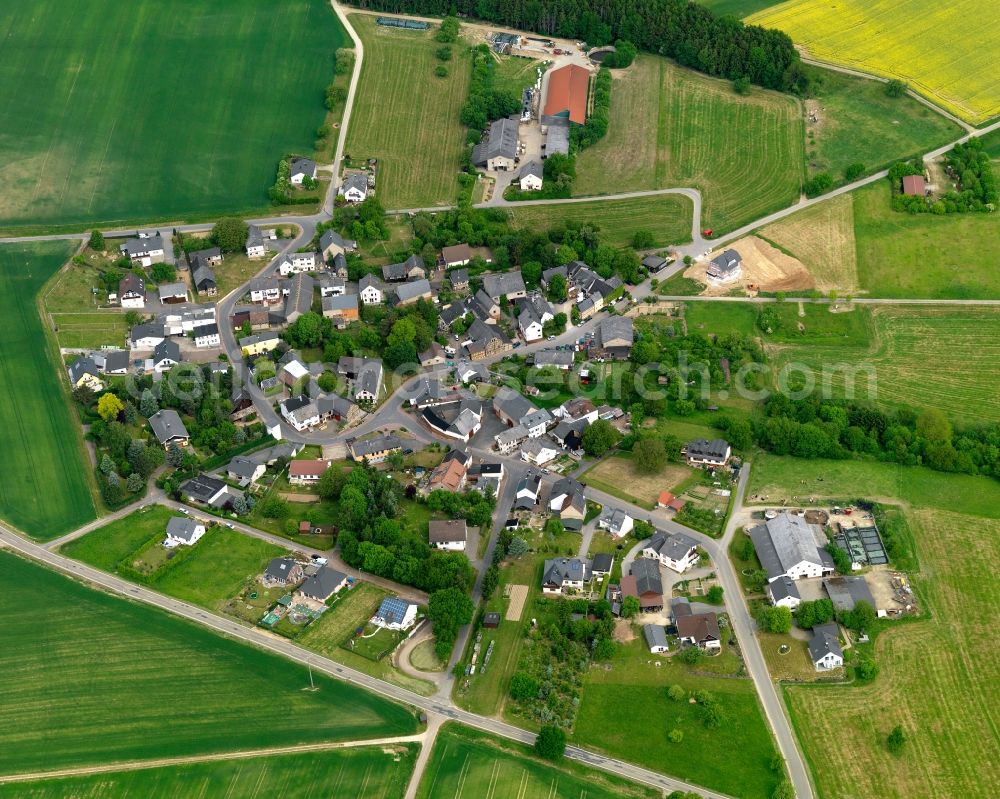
x,y
419,142
671,127
90,674
902,39
184,109
45,491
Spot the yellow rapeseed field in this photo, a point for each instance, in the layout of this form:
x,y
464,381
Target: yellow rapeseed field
x,y
947,51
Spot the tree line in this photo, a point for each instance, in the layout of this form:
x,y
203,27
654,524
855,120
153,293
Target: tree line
x,y
690,33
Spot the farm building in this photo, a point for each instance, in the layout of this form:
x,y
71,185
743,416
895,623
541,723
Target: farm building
x,y
656,638
556,137
531,176
788,545
504,42
499,149
396,22
566,95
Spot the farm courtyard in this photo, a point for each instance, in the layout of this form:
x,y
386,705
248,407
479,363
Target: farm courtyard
x,y
155,109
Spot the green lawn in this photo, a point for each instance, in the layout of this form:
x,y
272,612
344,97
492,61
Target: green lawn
x,y
667,217
45,490
721,318
419,144
923,255
182,110
859,123
107,545
816,324
515,74
468,763
674,127
734,758
91,330
943,357
213,571
366,771
92,678
783,478
219,566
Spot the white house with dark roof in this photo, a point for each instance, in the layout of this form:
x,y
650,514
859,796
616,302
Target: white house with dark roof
x,y
132,291
354,189
295,262
322,585
784,593
656,638
725,268
300,169
143,250
300,412
702,452
255,247
168,428
531,176
498,151
824,647
448,535
615,521
564,575
676,551
370,290
183,531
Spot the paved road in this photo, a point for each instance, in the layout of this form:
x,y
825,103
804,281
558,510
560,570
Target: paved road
x,y
274,643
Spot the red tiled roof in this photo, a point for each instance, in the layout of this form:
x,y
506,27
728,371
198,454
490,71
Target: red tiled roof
x,y
567,91
914,185
307,468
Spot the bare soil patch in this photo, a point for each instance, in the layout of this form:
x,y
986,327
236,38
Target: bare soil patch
x,y
764,266
518,594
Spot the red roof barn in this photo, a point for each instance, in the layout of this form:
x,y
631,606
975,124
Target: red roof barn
x,y
566,95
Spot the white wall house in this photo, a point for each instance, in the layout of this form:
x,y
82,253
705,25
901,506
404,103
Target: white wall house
x,y
676,551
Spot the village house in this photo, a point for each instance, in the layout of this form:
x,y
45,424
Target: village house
x,y
615,521
342,308
374,450
644,584
725,268
558,359
654,263
485,308
701,452
412,291
510,439
411,269
824,647
450,474
300,169
456,255
265,290
204,280
531,176
567,500
259,343
322,585
168,428
459,419
331,286
538,452
615,336
147,335
784,593
339,409
448,535
183,531
166,355
295,263
300,412
111,362
503,284
676,551
354,189
84,372
696,629
526,496
282,572
370,290
207,336
143,250
433,356
485,341
245,471
207,490
300,297
132,291
564,575
307,472
395,614
255,247
332,244
459,279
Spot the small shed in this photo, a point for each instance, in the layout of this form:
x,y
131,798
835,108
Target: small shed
x,y
491,620
914,185
305,527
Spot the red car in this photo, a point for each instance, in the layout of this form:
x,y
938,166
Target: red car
x,y
707,231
